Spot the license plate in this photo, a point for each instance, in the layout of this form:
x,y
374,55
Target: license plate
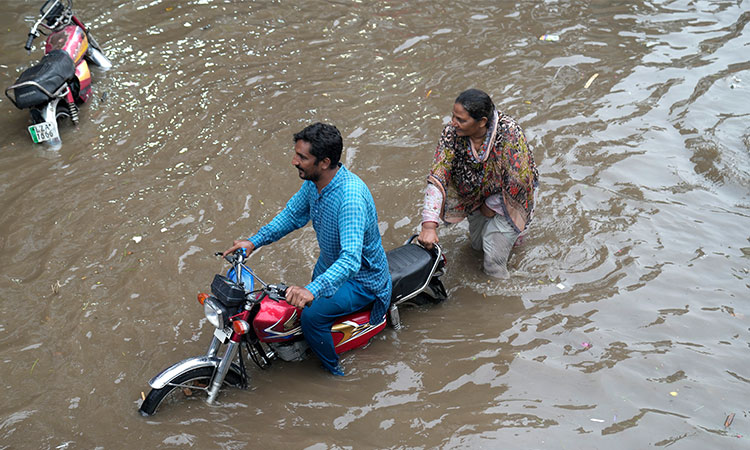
x,y
42,132
222,335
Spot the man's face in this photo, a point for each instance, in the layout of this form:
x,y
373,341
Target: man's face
x,y
305,162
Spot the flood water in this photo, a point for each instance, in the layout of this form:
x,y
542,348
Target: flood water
x,y
625,323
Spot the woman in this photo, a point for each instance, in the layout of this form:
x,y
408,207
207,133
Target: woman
x,y
483,170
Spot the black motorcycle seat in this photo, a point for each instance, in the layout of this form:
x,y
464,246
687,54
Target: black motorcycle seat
x,y
52,72
410,265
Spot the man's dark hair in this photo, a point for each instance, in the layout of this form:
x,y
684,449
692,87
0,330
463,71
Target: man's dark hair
x,y
325,142
477,103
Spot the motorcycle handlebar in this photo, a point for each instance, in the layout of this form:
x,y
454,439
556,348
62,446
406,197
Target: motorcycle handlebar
x,y
229,257
275,292
29,40
278,293
232,257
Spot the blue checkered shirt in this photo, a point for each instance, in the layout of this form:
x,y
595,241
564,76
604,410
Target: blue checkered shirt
x,y
346,225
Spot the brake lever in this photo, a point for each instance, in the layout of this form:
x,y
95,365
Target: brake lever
x,y
277,292
229,257
238,255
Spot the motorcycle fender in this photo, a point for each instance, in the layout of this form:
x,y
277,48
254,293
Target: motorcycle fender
x,y
98,58
169,374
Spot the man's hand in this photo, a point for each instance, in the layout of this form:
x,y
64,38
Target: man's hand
x,y
428,236
240,244
298,296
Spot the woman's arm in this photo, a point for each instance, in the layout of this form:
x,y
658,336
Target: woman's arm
x,y
433,201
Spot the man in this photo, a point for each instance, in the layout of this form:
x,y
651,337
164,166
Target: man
x,y
352,270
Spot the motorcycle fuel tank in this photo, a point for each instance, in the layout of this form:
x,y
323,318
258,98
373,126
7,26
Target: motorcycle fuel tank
x,y
276,321
72,39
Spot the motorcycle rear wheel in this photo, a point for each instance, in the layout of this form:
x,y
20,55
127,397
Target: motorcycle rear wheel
x,y
200,378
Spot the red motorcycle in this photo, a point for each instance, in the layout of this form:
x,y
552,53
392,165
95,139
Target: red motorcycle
x,y
262,324
53,89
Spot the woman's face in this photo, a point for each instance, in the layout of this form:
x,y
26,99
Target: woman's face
x,y
465,124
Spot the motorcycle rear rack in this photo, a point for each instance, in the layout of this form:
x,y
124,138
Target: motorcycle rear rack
x,y
61,92
427,282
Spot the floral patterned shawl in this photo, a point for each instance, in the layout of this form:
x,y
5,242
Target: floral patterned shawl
x,y
466,179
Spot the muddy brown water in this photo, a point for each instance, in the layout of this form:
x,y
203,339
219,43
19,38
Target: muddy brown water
x,y
624,325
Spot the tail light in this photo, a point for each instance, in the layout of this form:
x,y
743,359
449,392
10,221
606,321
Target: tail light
x,y
202,297
240,326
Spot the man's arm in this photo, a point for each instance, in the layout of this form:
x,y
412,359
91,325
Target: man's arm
x,y
351,223
295,215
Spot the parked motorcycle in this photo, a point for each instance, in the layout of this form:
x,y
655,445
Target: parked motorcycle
x,y
53,89
267,327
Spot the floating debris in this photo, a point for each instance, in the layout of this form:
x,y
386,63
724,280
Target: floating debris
x,y
591,80
560,286
137,239
597,420
549,37
673,394
586,345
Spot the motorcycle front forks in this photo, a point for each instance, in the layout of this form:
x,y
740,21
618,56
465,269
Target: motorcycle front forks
x,y
221,371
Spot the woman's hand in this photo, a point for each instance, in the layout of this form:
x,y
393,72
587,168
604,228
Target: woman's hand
x,y
428,236
486,211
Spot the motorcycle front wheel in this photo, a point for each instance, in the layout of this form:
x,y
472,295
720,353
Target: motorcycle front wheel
x,y
189,386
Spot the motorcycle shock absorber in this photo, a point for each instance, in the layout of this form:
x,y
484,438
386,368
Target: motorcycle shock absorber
x,y
73,112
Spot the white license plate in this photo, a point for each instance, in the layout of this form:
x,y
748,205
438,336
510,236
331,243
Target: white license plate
x,y
43,132
222,335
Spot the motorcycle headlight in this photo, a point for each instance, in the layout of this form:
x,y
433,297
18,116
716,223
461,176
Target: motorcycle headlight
x,y
214,312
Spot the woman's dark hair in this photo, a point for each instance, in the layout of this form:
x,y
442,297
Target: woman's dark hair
x,y
325,142
477,103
